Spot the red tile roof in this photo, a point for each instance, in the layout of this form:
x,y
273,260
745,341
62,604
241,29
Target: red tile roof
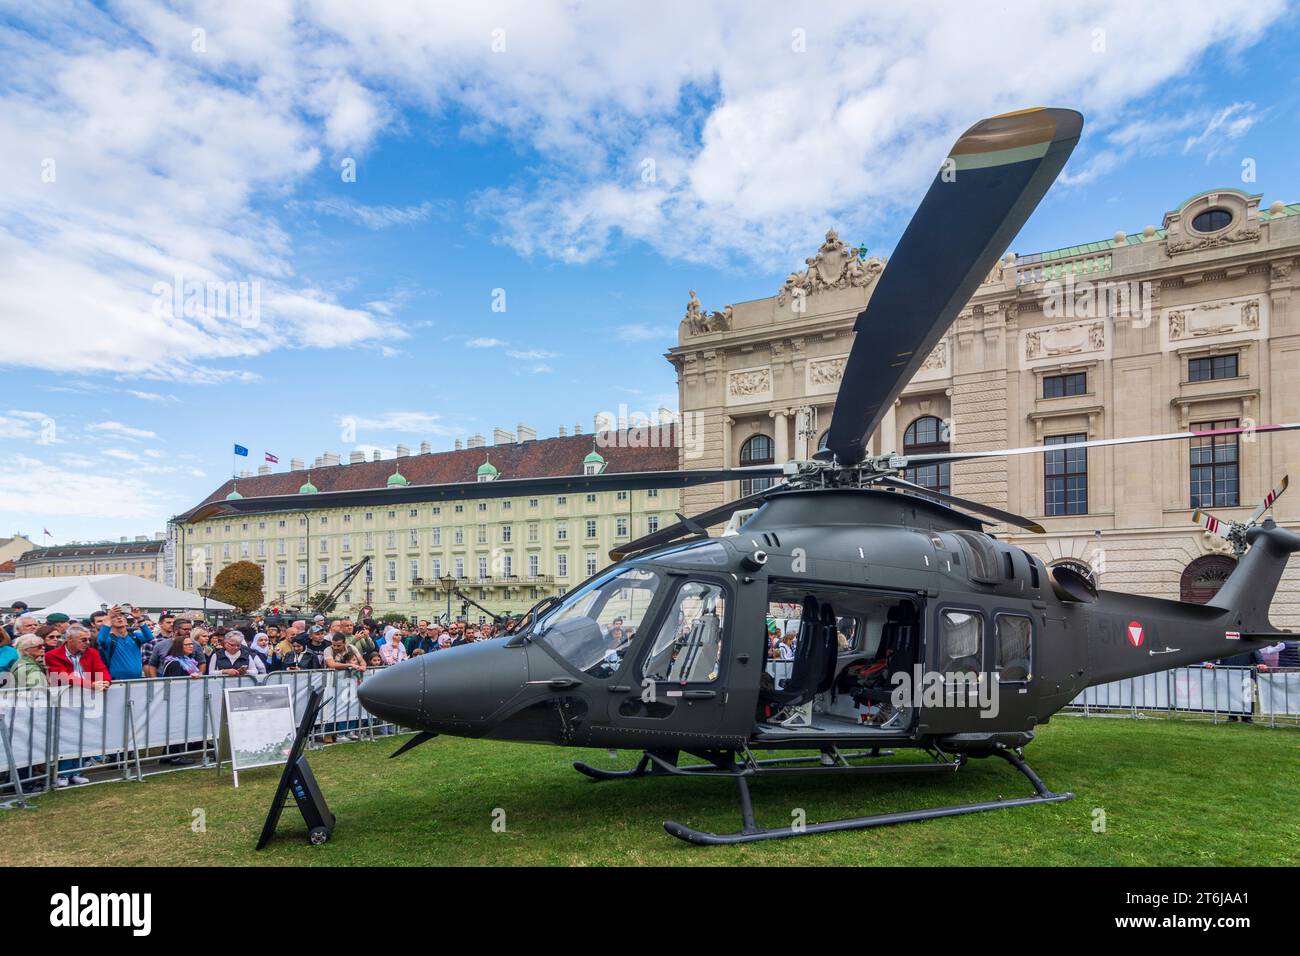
x,y
542,458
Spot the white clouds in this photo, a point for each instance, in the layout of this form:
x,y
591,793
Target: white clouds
x,y
410,422
121,431
34,488
698,129
1223,130
152,396
530,355
372,217
483,343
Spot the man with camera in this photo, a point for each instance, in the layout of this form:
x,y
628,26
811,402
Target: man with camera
x,y
120,643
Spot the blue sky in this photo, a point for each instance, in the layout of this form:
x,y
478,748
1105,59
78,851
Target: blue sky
x,y
594,164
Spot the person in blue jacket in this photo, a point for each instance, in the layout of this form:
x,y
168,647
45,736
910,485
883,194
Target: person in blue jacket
x,y
119,642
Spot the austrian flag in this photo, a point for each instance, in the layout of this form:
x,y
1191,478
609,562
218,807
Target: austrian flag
x,y
272,458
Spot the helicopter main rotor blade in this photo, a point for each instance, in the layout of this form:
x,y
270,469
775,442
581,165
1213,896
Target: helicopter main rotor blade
x,y
499,488
975,507
955,456
672,532
994,178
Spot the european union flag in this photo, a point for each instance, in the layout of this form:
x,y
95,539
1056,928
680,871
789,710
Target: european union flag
x,y
241,450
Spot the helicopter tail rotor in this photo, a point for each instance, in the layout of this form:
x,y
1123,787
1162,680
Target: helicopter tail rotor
x,y
1234,532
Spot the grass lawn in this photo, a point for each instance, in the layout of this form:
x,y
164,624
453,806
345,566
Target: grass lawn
x,y
1173,792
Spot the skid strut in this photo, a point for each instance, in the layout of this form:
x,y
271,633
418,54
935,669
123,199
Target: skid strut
x,y
751,832
832,762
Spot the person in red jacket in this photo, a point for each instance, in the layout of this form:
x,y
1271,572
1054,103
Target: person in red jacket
x,y
75,662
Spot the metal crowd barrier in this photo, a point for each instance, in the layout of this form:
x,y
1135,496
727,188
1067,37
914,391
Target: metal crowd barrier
x,y
1210,693
141,727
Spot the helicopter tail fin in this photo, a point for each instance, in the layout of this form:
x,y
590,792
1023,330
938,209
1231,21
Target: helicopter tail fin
x,y
1250,588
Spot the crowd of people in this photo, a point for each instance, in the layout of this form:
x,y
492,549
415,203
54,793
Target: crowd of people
x,y
124,643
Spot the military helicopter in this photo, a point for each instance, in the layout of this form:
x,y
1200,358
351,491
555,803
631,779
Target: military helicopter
x,y
900,623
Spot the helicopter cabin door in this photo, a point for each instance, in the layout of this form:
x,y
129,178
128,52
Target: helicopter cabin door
x,y
982,663
677,680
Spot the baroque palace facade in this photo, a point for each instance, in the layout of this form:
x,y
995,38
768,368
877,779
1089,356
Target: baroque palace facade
x,y
505,552
1186,326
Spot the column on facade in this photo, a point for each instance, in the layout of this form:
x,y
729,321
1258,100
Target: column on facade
x,y
781,432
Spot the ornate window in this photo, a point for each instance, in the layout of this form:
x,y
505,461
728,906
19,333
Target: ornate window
x,y
757,450
1065,476
1215,472
927,436
1212,220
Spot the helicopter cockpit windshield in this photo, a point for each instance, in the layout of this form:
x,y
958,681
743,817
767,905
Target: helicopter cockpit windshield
x,y
593,627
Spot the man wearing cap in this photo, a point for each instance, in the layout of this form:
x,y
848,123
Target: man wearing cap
x,y
18,608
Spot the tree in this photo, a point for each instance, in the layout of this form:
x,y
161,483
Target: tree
x,y
320,603
239,584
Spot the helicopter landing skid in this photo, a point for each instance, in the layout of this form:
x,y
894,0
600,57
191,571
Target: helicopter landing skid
x,y
659,765
751,832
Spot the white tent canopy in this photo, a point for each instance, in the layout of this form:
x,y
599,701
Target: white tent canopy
x,y
80,595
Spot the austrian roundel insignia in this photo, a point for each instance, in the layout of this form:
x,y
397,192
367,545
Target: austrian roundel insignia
x,y
1135,633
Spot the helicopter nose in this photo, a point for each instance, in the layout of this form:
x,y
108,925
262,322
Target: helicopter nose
x,y
458,685
395,694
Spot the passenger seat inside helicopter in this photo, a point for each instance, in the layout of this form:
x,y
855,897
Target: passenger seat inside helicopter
x,y
837,676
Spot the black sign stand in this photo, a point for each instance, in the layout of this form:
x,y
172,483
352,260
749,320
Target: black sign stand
x,y
299,781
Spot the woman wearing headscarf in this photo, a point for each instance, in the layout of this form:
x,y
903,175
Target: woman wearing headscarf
x,y
260,646
392,651
180,661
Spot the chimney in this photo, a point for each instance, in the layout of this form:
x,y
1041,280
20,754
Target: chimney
x,y
425,448
476,441
142,537
460,445
526,433
245,473
160,536
403,451
502,437
376,455
665,415
263,469
317,462
122,540
331,458
577,429
563,431
356,457
295,464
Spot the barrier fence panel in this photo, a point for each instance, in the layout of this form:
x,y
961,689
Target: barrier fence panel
x,y
1201,691
149,726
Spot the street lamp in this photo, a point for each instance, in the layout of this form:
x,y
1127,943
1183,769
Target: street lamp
x,y
204,591
448,582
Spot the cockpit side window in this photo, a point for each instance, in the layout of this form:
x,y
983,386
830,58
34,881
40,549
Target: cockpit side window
x,y
688,646
592,629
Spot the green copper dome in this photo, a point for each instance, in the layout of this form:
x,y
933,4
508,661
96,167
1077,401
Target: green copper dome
x,y
308,488
397,479
594,458
234,493
487,468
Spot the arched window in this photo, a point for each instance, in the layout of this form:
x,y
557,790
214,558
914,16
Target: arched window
x,y
757,450
1203,577
926,436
